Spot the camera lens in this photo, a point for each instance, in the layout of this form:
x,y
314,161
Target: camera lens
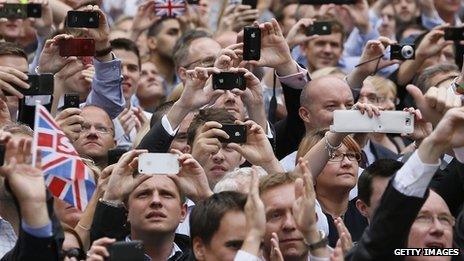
x,y
407,52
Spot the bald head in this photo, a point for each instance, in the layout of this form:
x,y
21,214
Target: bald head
x,y
320,98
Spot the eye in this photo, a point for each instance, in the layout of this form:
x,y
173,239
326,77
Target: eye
x,y
274,216
143,194
102,129
167,195
236,245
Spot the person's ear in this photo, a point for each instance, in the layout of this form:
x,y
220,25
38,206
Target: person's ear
x,y
242,160
182,73
152,43
304,114
363,208
183,212
198,249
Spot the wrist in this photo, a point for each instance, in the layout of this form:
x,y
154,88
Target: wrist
x,y
431,150
101,45
111,197
312,235
35,214
287,68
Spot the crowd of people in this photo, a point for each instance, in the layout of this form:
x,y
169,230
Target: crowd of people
x,y
295,189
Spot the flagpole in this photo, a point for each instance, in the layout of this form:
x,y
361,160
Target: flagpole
x,y
36,134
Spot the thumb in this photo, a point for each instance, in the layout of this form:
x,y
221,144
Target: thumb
x,y
416,94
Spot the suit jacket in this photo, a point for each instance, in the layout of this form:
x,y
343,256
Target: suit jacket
x,y
449,184
389,228
112,222
157,140
380,152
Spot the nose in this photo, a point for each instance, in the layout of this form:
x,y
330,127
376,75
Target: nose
x,y
289,223
346,162
327,48
218,157
230,96
385,20
155,200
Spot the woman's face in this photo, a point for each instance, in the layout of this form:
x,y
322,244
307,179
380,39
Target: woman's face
x,y
340,171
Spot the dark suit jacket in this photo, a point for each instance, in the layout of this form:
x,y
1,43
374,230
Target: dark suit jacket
x,y
157,140
112,222
380,152
449,184
389,228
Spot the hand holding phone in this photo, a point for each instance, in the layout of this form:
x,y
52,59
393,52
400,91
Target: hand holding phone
x,y
127,251
319,28
237,133
454,33
82,19
71,100
76,47
20,11
158,163
252,3
251,43
38,85
229,81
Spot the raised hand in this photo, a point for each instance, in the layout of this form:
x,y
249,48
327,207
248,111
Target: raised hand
x,y
344,236
10,76
432,43
449,133
207,142
143,19
122,180
43,25
303,208
127,119
376,49
140,118
276,254
422,128
70,122
50,60
297,35
191,178
359,12
229,57
99,251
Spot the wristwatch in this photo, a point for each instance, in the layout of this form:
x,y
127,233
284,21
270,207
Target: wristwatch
x,y
319,244
458,88
115,204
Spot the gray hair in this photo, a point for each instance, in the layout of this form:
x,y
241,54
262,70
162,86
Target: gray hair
x,y
423,81
237,180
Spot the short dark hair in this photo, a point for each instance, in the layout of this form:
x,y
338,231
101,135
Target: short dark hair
x,y
156,27
279,13
8,48
182,46
380,168
220,115
206,216
127,45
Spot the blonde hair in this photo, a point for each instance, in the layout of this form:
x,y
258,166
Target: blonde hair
x,y
382,85
334,71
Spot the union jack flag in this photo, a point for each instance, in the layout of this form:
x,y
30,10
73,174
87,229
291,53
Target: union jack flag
x,y
66,175
170,8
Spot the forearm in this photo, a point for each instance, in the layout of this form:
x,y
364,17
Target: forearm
x,y
313,236
356,78
34,214
407,71
58,92
257,114
288,68
252,243
273,166
84,224
59,10
176,114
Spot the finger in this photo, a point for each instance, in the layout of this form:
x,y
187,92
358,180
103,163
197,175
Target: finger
x,y
299,188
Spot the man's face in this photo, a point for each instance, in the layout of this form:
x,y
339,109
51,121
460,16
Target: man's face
x,y
180,140
232,103
278,202
289,19
324,51
155,206
378,186
405,9
445,56
150,85
369,94
130,72
433,227
388,26
326,97
228,239
97,135
202,53
447,6
11,29
167,37
443,79
217,165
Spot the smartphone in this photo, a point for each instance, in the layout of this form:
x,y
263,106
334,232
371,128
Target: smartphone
x,y
251,43
319,28
77,47
454,33
252,3
170,8
325,2
81,19
20,11
229,81
158,163
39,85
353,121
115,154
237,133
193,2
2,154
126,251
458,54
71,100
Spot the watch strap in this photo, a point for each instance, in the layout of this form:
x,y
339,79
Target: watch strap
x,y
319,244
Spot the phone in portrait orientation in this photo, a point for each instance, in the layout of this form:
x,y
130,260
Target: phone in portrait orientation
x,y
252,3
38,85
237,133
20,11
126,251
353,121
158,163
115,154
454,33
251,43
77,47
229,81
326,2
82,19
319,28
71,100
165,8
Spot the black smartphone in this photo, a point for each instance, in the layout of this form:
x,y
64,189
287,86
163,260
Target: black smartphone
x,y
319,28
251,43
326,2
20,11
458,54
2,154
237,133
82,19
193,2
402,52
71,100
229,81
77,47
252,3
39,85
454,33
126,251
115,154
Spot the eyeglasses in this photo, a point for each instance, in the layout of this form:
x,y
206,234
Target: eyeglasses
x,y
73,252
99,128
377,99
205,62
338,157
427,219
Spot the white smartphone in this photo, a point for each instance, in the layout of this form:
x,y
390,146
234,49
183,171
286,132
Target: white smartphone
x,y
158,163
387,122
